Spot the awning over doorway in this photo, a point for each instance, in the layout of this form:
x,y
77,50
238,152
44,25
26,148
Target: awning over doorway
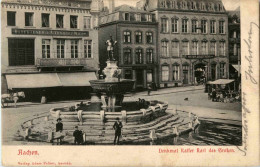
x,y
33,80
76,79
221,82
48,80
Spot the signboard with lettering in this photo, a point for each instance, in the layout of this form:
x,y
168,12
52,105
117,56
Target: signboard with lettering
x,y
17,31
199,56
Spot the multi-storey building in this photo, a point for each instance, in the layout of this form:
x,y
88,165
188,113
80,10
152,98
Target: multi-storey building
x,y
234,43
193,40
49,44
136,51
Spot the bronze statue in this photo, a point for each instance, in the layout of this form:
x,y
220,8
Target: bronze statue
x,y
110,48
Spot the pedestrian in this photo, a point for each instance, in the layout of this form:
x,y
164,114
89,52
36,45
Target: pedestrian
x,y
117,127
59,129
149,89
214,94
78,136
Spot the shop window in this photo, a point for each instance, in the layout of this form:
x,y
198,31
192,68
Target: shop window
x,y
11,18
165,73
88,49
149,76
46,48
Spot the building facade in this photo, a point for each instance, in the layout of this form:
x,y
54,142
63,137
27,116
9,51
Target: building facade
x,y
193,40
48,36
136,51
234,43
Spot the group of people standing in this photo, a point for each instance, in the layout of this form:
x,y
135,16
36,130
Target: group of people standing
x,y
78,134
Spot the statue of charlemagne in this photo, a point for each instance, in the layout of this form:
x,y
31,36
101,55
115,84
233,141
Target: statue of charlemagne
x,y
110,48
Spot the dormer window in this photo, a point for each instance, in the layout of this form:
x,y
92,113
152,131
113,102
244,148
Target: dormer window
x,y
138,17
211,6
127,17
220,7
184,5
164,4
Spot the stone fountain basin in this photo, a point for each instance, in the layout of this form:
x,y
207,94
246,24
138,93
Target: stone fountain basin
x,y
122,86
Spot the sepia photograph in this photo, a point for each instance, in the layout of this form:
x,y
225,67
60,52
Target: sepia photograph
x,y
117,73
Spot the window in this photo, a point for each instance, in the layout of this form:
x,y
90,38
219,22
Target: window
x,y
193,5
204,48
175,49
165,73
163,4
235,49
222,70
28,19
88,49
204,26
149,76
127,56
211,7
184,5
221,27
59,21
45,20
202,7
165,49
185,67
138,37
74,48
173,4
184,25
164,25
212,26
149,37
138,17
60,48
87,22
175,72
194,24
127,37
222,48
127,17
175,25
149,54
11,18
148,17
139,56
128,74
194,48
73,21
213,48
185,48
46,48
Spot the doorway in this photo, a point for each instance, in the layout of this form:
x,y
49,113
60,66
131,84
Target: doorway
x,y
185,76
200,72
139,78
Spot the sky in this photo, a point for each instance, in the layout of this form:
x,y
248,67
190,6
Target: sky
x,y
229,4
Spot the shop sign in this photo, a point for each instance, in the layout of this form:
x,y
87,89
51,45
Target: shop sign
x,y
199,56
17,31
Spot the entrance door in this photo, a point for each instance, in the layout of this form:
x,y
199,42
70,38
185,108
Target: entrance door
x,y
139,77
21,52
213,72
185,77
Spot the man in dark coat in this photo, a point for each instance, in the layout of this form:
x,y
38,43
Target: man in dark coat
x,y
117,127
78,136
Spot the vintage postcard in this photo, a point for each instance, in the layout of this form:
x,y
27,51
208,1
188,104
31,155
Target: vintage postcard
x,y
130,83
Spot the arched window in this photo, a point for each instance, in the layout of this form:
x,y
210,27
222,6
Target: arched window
x,y
149,56
127,37
139,59
127,56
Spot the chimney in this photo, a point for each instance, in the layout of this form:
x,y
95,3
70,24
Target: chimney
x,y
111,6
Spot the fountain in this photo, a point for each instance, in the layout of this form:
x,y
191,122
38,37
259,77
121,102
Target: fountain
x,y
143,121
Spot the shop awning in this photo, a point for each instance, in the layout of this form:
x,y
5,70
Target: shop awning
x,y
76,79
221,82
48,80
33,80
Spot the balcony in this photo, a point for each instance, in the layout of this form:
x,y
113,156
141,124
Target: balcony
x,y
58,62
